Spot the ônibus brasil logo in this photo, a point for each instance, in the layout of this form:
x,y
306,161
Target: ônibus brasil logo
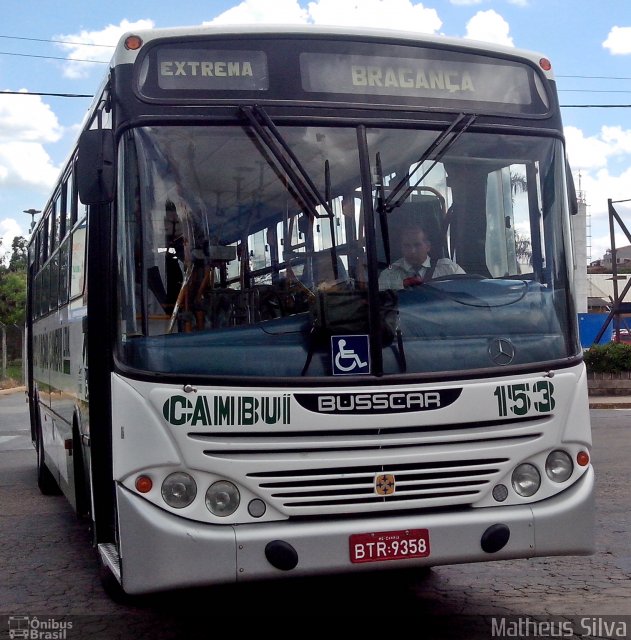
x,y
206,411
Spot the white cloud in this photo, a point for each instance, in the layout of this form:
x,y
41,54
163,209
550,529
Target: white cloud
x,y
598,186
467,3
263,11
27,119
489,26
592,159
618,41
585,152
618,138
26,163
601,185
594,152
85,48
26,124
9,229
389,14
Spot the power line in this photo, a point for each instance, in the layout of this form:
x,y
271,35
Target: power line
x,y
594,90
596,77
41,93
31,55
83,44
595,106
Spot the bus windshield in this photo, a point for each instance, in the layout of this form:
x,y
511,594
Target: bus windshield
x,y
243,249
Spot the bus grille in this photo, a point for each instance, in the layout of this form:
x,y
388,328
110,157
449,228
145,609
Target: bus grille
x,y
311,472
346,489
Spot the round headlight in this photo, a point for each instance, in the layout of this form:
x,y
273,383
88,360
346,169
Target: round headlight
x,y
559,466
526,480
179,490
222,498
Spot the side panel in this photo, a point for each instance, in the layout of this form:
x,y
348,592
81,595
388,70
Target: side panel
x,y
59,382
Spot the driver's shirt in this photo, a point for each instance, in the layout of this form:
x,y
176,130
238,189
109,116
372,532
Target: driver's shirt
x,y
392,277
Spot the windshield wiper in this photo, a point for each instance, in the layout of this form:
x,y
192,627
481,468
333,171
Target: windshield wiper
x,y
439,147
299,177
301,181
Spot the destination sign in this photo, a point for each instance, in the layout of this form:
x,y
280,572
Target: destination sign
x,y
334,71
459,79
211,70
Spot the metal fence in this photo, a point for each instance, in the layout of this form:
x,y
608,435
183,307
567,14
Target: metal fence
x,y
11,346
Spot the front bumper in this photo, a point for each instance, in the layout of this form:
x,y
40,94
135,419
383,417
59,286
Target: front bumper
x,y
160,551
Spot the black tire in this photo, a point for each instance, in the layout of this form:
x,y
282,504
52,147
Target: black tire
x,y
46,482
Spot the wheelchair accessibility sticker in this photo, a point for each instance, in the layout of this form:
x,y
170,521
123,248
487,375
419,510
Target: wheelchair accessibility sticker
x,y
350,355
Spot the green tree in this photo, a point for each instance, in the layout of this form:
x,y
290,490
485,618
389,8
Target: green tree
x,y
19,251
13,284
12,297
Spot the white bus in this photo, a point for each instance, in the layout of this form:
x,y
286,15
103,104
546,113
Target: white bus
x,y
227,371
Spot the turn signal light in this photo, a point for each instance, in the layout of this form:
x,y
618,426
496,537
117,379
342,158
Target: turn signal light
x,y
582,458
144,484
133,43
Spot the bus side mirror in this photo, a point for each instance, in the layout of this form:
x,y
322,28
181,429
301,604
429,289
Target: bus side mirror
x,y
95,166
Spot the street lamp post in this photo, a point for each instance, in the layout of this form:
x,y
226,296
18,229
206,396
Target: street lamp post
x,y
32,213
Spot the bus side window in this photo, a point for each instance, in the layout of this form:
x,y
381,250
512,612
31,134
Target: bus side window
x,y
77,261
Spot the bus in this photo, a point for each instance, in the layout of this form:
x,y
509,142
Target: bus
x,y
220,375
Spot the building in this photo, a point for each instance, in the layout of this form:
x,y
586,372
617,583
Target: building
x,y
579,238
623,257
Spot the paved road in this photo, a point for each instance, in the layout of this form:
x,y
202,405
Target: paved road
x,y
48,570
14,426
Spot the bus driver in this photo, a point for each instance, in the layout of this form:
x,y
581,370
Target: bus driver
x,y
415,266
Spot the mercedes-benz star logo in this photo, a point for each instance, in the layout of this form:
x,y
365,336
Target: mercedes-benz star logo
x,y
501,351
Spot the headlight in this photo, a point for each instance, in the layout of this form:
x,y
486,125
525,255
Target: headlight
x,y
559,466
222,498
179,490
526,480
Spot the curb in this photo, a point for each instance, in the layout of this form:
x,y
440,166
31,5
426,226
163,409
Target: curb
x,y
610,405
4,392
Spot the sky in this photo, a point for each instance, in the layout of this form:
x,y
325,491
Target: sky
x,y
588,42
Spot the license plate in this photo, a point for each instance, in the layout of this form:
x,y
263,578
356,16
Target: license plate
x,y
389,545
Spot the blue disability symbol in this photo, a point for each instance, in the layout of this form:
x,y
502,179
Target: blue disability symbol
x,y
350,355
